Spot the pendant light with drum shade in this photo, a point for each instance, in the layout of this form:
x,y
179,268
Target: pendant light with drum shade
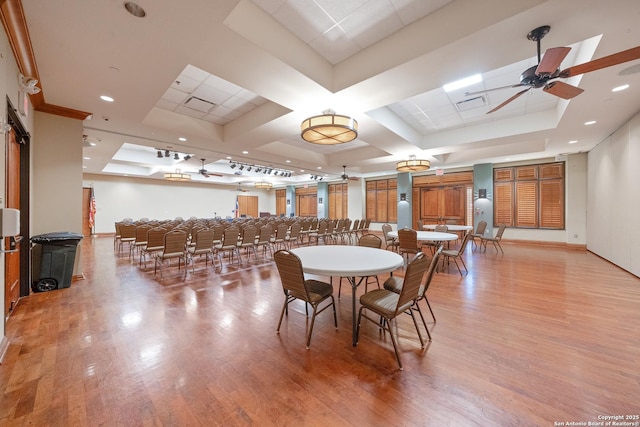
x,y
329,128
413,165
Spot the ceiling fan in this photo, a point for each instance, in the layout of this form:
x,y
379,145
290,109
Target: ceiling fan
x,y
202,171
544,74
345,177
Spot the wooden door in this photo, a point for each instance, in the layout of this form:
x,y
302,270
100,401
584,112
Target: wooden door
x,y
12,260
439,205
430,205
248,206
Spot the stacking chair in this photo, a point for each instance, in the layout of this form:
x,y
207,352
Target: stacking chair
x,y
494,240
456,254
248,240
141,238
353,232
202,244
394,284
319,233
295,286
264,240
127,235
370,241
389,241
479,234
279,240
229,244
387,305
116,236
175,243
155,243
408,242
293,238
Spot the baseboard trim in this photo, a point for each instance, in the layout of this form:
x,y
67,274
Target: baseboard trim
x,y
564,245
77,278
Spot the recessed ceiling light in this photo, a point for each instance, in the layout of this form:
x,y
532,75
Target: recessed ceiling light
x,y
573,141
288,161
106,98
245,152
84,167
590,122
319,167
619,88
301,170
459,84
182,138
229,157
87,158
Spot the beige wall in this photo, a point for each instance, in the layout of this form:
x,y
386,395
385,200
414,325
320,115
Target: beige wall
x,y
56,170
614,197
126,197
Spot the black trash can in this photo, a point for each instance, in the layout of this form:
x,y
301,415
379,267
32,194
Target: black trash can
x,y
52,258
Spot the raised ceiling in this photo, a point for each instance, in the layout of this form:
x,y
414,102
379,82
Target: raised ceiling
x,y
236,78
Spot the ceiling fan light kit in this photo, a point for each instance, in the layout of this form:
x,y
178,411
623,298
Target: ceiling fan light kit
x,y
329,129
413,165
541,75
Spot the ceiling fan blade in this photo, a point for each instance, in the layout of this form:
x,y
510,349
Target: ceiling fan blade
x,y
551,60
495,88
563,90
604,62
522,92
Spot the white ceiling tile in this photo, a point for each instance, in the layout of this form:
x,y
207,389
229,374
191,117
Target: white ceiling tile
x,y
212,94
335,45
411,10
189,112
167,105
340,9
304,18
175,96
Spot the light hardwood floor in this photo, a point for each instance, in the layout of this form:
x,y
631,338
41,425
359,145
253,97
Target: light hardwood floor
x,y
536,337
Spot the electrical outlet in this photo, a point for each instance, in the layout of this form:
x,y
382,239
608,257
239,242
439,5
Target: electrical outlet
x,y
575,236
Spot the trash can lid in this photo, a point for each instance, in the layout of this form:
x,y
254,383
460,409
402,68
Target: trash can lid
x,y
56,237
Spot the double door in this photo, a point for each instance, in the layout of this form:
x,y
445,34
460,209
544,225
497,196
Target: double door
x,y
443,205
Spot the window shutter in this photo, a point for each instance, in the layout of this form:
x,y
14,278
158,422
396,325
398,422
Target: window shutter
x,y
527,204
503,203
552,203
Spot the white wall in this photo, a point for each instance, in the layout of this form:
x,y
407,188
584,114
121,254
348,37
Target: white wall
x,y
126,197
614,197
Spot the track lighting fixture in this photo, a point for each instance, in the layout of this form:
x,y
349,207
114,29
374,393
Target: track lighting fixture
x,y
176,157
250,167
241,167
166,153
233,165
186,157
160,154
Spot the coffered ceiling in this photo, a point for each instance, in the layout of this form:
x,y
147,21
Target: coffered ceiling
x,y
235,78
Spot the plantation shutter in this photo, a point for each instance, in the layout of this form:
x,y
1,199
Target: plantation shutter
x,y
552,203
503,203
526,204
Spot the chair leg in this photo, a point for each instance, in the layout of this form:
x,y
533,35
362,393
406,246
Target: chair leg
x,y
423,321
284,308
313,319
415,323
393,341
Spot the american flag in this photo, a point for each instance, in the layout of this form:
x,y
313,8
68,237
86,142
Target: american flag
x,y
92,208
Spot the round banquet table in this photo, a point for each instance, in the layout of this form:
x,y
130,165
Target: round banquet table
x,y
452,227
434,236
350,262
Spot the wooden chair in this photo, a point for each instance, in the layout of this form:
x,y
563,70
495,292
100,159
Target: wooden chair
x,y
248,240
155,243
388,305
228,245
295,286
264,240
128,236
389,241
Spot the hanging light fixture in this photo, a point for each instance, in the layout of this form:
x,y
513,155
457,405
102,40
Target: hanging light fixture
x,y
329,128
413,165
263,184
177,176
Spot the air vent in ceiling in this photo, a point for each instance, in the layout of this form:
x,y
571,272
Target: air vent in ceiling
x,y
471,103
199,104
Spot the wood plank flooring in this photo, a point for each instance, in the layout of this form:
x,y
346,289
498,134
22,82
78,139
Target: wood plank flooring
x,y
535,337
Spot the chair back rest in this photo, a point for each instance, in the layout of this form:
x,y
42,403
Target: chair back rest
x,y
441,228
482,226
386,228
230,236
218,231
420,225
412,280
463,245
322,227
204,239
295,230
127,231
370,241
155,237
175,242
501,229
430,271
331,225
141,233
356,224
407,238
291,274
265,233
249,234
304,225
281,231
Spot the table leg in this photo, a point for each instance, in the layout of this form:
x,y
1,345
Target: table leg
x,y
354,286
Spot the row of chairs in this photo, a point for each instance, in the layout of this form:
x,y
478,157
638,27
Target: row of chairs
x,y
397,296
